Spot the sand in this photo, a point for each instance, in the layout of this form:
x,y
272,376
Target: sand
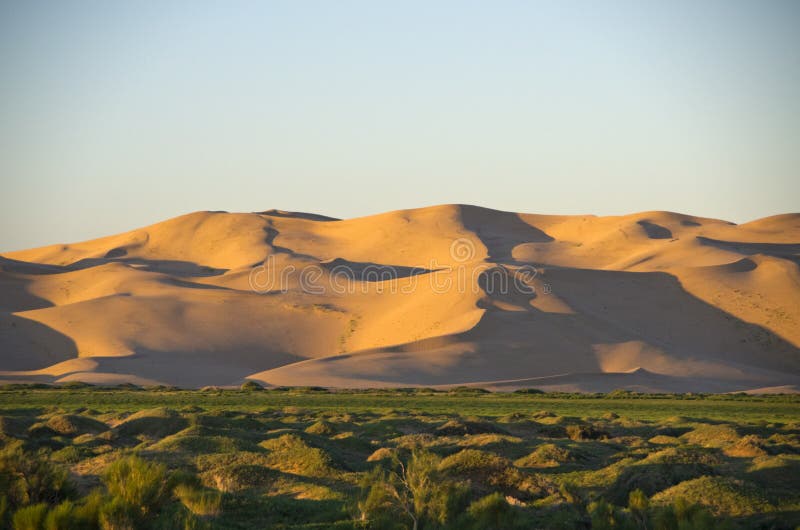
x,y
444,295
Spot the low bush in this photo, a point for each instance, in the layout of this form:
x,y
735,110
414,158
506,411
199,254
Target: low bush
x,y
141,485
199,501
585,432
491,512
29,517
547,455
31,478
291,454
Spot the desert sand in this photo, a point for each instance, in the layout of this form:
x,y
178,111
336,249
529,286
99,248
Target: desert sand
x,y
444,295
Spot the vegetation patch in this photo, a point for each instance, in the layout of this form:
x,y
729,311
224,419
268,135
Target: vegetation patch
x,y
291,454
154,459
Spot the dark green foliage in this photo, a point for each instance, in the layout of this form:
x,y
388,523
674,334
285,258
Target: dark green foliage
x,y
140,486
585,432
528,391
415,491
31,478
251,386
29,517
462,427
491,513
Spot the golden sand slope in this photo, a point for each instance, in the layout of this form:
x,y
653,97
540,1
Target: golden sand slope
x,y
434,296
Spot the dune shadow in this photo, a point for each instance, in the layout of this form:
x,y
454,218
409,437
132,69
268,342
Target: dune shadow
x,y
371,272
192,369
26,344
116,255
27,267
500,231
164,266
642,318
655,231
780,250
298,215
272,233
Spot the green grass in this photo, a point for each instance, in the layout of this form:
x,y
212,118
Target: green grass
x,y
744,409
87,457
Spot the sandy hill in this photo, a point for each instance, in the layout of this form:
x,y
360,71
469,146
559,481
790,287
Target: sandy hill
x,y
453,294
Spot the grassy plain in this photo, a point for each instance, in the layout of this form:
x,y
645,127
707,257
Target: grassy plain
x,y
116,458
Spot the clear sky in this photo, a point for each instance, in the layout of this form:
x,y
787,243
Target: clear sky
x,y
114,115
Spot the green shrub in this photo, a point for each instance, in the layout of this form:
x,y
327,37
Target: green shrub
x,y
585,432
379,506
720,495
417,491
487,471
605,516
29,517
69,454
31,478
139,484
291,454
321,428
232,472
491,513
460,428
251,386
61,517
154,423
639,506
546,455
199,501
73,425
118,515
528,391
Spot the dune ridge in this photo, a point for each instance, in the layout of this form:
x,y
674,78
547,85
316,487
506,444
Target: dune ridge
x,y
443,295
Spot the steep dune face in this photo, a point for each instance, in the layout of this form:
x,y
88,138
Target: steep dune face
x,y
452,294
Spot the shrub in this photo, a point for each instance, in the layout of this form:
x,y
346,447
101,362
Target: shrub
x,y
70,455
711,435
139,484
29,517
604,516
491,513
199,501
379,506
487,470
585,432
155,423
720,495
118,515
31,478
546,455
384,453
291,454
322,428
460,428
416,489
61,517
73,424
251,386
639,505
235,471
86,515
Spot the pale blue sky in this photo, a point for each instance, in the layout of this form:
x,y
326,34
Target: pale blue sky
x,y
114,115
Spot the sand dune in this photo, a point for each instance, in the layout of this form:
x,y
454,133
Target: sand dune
x,y
453,294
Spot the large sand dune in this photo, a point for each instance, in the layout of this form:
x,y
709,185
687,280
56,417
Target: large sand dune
x,y
445,295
